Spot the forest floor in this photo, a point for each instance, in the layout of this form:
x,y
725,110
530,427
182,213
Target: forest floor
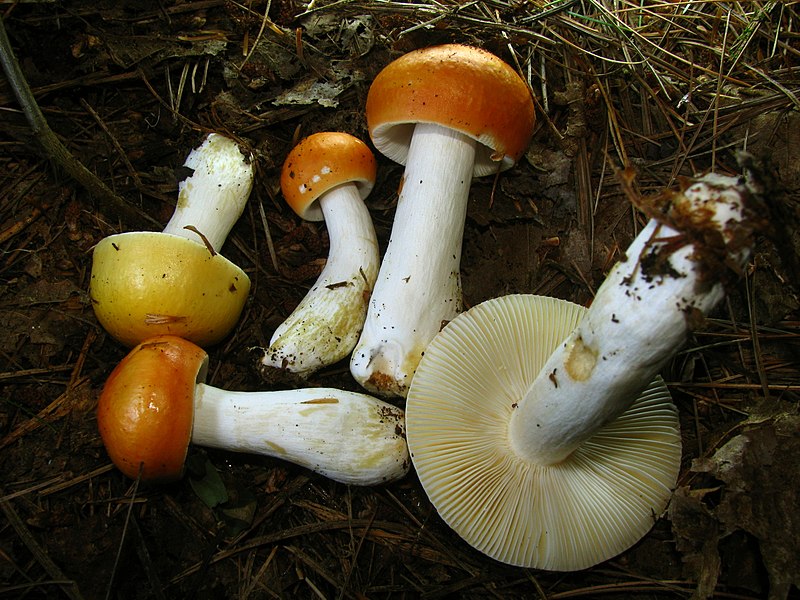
x,y
669,89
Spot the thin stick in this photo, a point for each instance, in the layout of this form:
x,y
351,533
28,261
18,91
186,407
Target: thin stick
x,y
270,245
69,587
124,534
52,146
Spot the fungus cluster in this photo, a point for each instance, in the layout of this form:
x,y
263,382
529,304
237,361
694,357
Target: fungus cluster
x,y
539,429
166,293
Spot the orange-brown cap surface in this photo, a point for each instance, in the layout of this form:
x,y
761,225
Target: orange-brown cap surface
x,y
456,86
321,162
145,412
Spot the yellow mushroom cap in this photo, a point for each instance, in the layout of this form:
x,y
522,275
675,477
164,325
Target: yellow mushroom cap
x,y
587,508
460,87
145,412
321,162
150,283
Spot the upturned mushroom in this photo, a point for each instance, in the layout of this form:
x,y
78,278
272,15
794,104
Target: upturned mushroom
x,y
540,430
448,113
155,402
149,283
327,175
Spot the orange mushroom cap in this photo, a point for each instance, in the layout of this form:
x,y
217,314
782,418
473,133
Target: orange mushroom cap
x,y
455,86
146,409
321,162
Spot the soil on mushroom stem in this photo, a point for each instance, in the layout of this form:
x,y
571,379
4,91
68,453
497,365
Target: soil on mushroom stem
x,y
243,526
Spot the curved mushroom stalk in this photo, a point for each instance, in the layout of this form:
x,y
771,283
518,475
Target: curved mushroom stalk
x,y
147,283
325,326
154,403
539,429
418,288
327,176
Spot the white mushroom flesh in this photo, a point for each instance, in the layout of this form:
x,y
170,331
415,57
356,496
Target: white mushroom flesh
x,y
325,326
419,284
212,199
346,436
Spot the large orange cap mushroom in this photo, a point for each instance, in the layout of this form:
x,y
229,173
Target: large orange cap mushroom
x,y
146,409
448,113
155,402
460,87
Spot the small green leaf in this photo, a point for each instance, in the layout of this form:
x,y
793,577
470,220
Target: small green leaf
x,y
206,482
239,512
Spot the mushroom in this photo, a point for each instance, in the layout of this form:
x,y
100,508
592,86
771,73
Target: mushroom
x,y
149,283
540,430
155,402
449,113
327,175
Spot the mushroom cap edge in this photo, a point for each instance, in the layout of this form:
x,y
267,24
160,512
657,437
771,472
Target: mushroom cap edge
x,y
457,86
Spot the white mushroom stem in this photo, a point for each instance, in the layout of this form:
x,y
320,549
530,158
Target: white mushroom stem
x,y
640,317
349,437
212,199
419,283
326,324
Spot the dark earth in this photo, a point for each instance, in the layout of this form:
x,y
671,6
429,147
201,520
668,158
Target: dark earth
x,y
131,87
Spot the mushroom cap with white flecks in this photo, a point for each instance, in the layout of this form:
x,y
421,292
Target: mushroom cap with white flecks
x,y
321,162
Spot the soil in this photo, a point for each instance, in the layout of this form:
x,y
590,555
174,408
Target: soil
x,y
131,88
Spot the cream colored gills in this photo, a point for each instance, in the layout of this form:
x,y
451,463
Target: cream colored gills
x,y
540,430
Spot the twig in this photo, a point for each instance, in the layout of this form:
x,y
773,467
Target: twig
x,y
137,181
53,146
128,516
270,245
69,587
